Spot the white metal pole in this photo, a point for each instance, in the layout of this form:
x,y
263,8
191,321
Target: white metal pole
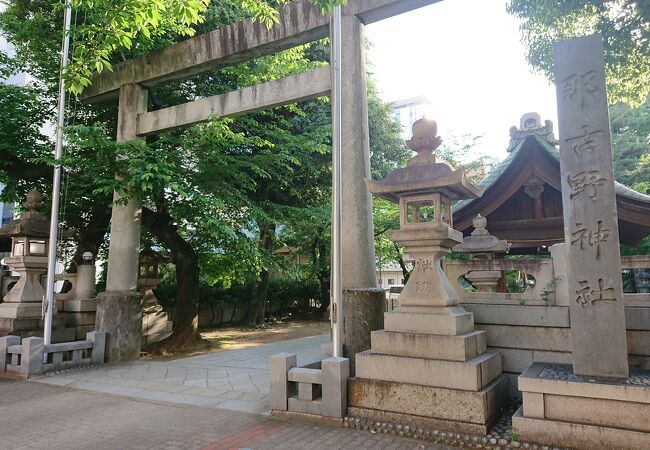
x,y
337,288
49,304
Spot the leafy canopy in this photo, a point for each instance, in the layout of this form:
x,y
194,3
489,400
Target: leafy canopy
x,y
624,24
105,28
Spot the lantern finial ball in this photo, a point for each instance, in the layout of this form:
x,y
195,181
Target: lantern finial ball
x,y
425,135
34,200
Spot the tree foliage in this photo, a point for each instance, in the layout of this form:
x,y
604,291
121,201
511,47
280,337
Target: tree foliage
x,y
107,31
631,145
624,25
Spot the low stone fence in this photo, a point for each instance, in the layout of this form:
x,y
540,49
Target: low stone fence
x,y
319,389
31,357
534,327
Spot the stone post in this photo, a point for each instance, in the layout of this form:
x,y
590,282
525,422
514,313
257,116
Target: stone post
x,y
336,372
589,201
279,366
99,346
31,360
5,343
85,283
359,271
119,309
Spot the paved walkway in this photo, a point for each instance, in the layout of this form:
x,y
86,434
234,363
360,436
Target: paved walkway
x,y
40,416
236,380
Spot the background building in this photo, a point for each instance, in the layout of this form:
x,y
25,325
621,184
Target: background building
x,y
409,110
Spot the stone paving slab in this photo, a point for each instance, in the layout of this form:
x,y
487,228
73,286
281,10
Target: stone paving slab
x,y
40,416
235,380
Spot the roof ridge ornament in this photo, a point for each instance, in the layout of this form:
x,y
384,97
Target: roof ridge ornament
x,y
531,124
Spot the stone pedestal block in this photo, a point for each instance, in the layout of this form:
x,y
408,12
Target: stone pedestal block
x,y
25,328
563,409
448,321
119,315
75,305
472,375
363,312
452,348
427,406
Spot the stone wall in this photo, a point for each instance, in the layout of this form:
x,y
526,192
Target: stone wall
x,y
527,329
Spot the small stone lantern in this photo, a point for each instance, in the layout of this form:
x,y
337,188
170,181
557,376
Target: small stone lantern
x,y
155,321
30,238
149,275
424,191
482,246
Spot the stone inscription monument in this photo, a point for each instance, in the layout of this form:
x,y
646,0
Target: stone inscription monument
x,y
599,403
589,203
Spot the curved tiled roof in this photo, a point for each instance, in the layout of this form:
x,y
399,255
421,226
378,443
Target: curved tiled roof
x,y
495,174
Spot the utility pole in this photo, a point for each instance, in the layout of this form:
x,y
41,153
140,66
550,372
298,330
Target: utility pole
x,y
48,304
336,310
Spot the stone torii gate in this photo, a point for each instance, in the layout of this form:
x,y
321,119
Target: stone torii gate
x,y
119,308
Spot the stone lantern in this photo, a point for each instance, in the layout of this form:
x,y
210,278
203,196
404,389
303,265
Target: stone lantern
x,y
428,363
149,275
424,191
30,237
155,321
482,246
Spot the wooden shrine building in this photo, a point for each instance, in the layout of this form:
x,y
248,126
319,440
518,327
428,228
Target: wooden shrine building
x,y
523,199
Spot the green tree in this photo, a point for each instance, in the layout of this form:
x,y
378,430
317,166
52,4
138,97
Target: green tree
x,y
104,30
181,178
631,145
624,24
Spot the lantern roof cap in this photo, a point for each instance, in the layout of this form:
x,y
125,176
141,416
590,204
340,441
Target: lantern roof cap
x,y
481,241
431,178
423,174
31,223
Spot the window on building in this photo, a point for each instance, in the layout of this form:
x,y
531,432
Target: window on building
x,y
403,281
391,281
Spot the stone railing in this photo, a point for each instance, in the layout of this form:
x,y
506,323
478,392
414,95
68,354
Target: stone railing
x,y
543,271
548,273
70,293
31,357
319,389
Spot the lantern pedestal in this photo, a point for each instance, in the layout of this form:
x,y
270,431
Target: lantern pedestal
x,y
28,288
429,365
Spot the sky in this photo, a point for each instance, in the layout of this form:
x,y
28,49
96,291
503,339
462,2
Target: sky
x,y
466,57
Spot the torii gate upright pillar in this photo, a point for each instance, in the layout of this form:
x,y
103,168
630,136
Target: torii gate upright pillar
x,y
363,301
119,309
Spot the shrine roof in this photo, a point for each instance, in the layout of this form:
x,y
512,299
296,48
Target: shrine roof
x,y
503,166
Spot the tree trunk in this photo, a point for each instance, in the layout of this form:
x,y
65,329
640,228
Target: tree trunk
x,y
260,289
402,264
92,237
185,333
